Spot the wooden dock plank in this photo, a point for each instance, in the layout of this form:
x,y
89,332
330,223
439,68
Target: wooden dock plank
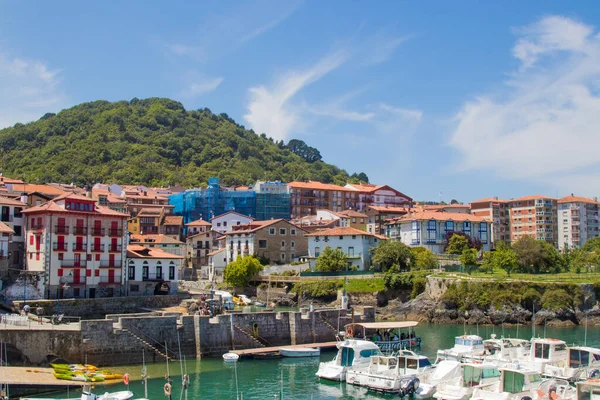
x,y
33,376
325,345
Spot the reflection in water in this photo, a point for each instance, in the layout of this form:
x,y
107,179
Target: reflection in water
x,y
210,378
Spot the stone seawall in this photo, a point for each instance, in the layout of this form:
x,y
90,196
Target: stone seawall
x,y
119,339
98,308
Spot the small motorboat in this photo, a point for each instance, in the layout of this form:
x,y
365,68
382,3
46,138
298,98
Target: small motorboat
x,y
230,357
300,351
87,394
352,353
259,304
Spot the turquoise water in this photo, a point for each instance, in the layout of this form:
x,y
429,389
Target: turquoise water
x,y
210,378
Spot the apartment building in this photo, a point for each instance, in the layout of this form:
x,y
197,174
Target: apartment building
x,y
578,221
378,195
277,240
498,211
308,197
141,197
11,215
229,221
153,221
429,229
377,216
77,244
533,216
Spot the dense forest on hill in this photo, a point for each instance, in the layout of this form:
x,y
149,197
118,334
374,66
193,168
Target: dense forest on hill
x,y
154,142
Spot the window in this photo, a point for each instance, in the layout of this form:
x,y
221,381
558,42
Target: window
x,y
134,288
17,229
159,274
224,223
76,292
282,231
449,226
353,220
145,270
415,232
271,231
283,243
317,251
262,244
238,223
282,256
131,274
350,251
60,256
171,272
17,212
218,224
483,234
431,231
292,231
467,227
292,244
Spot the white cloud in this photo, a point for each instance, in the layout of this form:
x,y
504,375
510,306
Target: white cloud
x,y
29,90
269,110
380,49
544,126
201,87
404,113
269,25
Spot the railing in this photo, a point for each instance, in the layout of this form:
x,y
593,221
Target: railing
x,y
115,248
81,280
115,232
61,229
79,246
56,246
73,263
97,231
116,279
97,247
80,230
153,277
108,264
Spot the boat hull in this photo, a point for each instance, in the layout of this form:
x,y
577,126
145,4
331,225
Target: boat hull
x,y
331,372
308,352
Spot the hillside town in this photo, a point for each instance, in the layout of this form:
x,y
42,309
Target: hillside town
x,y
111,240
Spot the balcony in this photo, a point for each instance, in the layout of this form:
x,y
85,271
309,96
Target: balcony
x,y
80,247
97,231
37,228
73,263
153,277
61,230
80,280
115,248
80,230
110,280
56,246
97,247
108,264
115,232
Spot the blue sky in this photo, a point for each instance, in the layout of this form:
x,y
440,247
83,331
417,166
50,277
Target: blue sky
x,y
439,99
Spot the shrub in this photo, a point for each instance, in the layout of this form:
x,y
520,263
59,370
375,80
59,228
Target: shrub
x,y
418,287
557,299
531,298
317,288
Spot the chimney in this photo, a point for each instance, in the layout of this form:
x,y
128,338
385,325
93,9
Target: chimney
x,y
88,192
24,198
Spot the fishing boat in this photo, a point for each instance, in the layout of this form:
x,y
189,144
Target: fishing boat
x,y
581,363
503,352
352,353
444,371
390,373
230,357
588,390
300,351
388,336
518,384
545,353
465,347
473,376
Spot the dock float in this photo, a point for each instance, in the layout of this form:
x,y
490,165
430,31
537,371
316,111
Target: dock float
x,y
249,352
34,376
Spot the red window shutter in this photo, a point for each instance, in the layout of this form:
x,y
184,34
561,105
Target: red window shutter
x,y
37,256
88,272
97,257
31,240
60,272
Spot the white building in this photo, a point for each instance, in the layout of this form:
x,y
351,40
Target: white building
x,y
10,215
354,243
6,234
217,261
378,195
75,243
162,242
151,271
578,221
429,229
226,222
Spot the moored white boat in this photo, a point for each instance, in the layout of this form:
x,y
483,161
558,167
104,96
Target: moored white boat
x,y
581,363
390,373
518,384
473,376
352,353
299,352
230,357
443,371
465,346
88,395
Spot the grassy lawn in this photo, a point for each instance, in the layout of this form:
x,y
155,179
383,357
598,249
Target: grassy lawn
x,y
365,285
567,277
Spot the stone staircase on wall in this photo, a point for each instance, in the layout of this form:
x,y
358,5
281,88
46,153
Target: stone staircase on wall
x,y
250,336
327,324
147,344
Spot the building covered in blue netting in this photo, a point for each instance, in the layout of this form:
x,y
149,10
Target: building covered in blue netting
x,y
266,200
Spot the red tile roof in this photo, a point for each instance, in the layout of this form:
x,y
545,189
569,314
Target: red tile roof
x,y
73,196
29,188
534,197
231,212
488,200
340,232
318,186
173,220
392,210
370,188
438,216
5,229
138,251
51,206
350,213
214,252
199,222
577,199
7,201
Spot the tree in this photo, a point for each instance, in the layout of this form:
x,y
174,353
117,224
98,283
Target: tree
x,y
457,244
578,260
505,258
469,259
239,272
331,260
389,253
472,242
453,201
309,154
424,258
537,256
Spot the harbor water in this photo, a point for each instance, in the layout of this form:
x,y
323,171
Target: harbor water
x,y
211,378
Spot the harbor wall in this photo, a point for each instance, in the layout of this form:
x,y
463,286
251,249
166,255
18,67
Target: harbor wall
x,y
98,308
122,339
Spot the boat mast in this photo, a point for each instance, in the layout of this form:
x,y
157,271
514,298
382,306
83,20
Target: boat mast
x,y
144,375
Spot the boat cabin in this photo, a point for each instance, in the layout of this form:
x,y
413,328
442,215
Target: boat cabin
x,y
581,363
547,351
388,336
465,346
405,363
518,381
583,357
351,352
506,349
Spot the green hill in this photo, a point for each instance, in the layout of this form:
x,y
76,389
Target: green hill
x,y
154,142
